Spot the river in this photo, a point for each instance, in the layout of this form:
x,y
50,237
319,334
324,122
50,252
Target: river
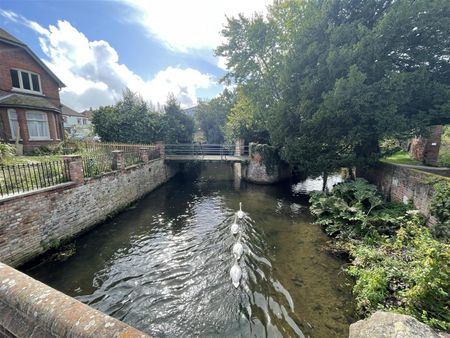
x,y
163,264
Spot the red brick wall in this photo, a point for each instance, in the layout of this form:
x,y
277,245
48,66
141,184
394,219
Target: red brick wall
x,y
16,57
426,150
402,184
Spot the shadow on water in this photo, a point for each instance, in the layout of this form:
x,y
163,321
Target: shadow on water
x,y
163,264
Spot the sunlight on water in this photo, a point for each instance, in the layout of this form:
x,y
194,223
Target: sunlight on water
x,y
163,265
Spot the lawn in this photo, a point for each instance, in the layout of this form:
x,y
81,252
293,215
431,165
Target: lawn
x,y
30,159
401,157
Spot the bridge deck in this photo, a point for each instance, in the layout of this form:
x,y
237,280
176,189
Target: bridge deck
x,y
206,158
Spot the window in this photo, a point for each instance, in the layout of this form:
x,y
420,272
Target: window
x,y
37,125
25,81
12,116
84,121
78,120
65,119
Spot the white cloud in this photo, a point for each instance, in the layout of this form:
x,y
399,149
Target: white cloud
x,y
94,76
196,24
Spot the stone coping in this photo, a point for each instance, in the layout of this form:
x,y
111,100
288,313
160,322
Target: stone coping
x,y
37,191
29,308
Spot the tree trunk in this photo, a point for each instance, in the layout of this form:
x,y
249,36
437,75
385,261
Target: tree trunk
x,y
325,180
351,174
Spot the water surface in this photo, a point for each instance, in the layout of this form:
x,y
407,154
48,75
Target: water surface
x,y
163,265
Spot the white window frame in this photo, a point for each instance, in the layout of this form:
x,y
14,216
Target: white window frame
x,y
38,138
11,122
21,89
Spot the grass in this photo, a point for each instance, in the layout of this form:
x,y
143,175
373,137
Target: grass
x,y
30,159
401,157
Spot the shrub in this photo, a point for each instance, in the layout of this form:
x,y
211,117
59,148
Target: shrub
x,y
355,209
407,273
440,208
6,151
396,262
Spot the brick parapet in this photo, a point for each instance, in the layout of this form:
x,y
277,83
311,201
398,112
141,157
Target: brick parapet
x,y
29,308
75,168
118,161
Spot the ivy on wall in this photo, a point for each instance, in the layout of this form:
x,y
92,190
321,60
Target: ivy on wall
x,y
269,156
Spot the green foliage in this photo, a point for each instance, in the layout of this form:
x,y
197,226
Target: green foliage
x,y
49,149
401,157
176,126
329,79
212,116
6,151
444,152
242,122
355,210
407,273
396,262
269,155
129,121
440,208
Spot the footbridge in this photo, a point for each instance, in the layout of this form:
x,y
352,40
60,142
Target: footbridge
x,y
205,152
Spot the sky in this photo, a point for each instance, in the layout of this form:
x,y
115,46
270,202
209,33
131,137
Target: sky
x,y
154,47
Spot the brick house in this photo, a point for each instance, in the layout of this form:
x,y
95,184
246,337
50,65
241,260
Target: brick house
x,y
30,108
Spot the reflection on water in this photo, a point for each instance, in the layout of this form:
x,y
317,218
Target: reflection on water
x,y
163,265
316,184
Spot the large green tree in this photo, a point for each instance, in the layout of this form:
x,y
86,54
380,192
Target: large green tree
x,y
177,127
129,121
331,78
212,115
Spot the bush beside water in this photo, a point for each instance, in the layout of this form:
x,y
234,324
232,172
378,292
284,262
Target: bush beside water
x,y
398,263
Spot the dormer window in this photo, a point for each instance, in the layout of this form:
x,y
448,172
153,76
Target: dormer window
x,y
25,81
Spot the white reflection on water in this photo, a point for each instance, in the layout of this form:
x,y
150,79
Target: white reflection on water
x,y
315,184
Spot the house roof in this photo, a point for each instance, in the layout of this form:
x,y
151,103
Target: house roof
x,y
27,102
10,39
70,112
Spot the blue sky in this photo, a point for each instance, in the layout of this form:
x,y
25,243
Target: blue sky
x,y
154,47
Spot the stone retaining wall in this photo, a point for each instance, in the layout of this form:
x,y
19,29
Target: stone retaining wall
x,y
255,171
33,222
29,308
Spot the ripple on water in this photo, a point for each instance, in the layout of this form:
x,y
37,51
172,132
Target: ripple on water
x,y
167,273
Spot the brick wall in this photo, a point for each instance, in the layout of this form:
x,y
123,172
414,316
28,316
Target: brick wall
x,y
426,150
16,57
402,184
31,223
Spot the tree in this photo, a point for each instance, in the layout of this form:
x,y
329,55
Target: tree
x,y
342,74
177,127
128,121
242,121
212,115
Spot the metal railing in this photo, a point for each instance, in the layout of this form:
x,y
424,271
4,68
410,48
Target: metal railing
x,y
198,149
97,164
19,178
132,158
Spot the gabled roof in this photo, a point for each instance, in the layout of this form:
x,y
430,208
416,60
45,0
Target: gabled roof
x,y
27,102
10,39
70,112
